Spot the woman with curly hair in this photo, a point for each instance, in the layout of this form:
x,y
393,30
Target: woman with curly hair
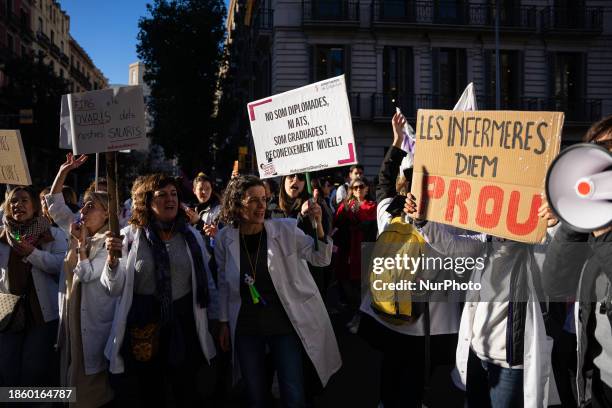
x,y
267,297
160,330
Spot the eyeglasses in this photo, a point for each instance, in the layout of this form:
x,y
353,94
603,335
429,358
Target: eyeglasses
x,y
255,200
359,187
300,177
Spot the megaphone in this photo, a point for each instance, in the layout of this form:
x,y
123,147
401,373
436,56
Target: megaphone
x,y
579,187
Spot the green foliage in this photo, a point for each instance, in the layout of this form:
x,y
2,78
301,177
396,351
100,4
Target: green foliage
x,y
180,43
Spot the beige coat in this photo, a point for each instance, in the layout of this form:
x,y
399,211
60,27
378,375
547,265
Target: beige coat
x,y
288,251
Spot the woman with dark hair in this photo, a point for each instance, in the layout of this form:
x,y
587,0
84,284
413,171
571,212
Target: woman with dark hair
x,y
267,297
294,202
206,214
160,329
356,223
86,310
583,260
31,256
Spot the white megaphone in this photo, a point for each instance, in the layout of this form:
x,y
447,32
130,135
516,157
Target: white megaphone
x,y
579,187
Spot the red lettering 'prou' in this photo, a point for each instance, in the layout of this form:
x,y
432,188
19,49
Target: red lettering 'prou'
x,y
487,193
528,226
458,193
435,186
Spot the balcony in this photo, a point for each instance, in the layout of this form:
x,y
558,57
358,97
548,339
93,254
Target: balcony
x,y
264,20
333,13
65,60
384,104
449,16
27,35
579,20
43,39
79,77
55,51
583,110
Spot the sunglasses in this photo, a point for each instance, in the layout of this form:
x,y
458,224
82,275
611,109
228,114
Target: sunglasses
x,y
359,187
300,177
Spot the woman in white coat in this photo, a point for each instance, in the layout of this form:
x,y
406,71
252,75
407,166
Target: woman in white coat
x,y
267,296
31,257
86,309
160,329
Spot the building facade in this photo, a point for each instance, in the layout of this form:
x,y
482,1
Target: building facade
x,y
41,28
555,55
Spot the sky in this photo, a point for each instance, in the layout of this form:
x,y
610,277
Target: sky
x,y
107,31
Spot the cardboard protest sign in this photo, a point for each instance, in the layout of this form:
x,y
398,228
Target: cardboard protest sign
x,y
13,163
485,170
305,129
105,121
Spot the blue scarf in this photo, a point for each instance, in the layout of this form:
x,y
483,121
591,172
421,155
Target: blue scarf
x,y
161,258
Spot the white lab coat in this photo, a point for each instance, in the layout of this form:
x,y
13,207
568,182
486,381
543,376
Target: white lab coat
x,y
288,251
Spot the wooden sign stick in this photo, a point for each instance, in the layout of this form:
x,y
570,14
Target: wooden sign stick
x,y
111,180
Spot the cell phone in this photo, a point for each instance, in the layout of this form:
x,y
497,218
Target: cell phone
x,y
396,205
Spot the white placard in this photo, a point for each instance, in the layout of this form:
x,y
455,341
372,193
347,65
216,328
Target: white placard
x,y
305,129
105,121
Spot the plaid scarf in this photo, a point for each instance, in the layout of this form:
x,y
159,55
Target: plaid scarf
x,y
161,258
30,230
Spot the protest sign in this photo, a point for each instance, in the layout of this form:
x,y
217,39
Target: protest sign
x,y
485,170
305,129
107,120
13,163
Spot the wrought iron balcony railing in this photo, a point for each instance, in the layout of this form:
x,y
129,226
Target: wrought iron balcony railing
x,y
325,11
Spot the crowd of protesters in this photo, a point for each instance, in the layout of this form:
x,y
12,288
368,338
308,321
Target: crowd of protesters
x,y
245,280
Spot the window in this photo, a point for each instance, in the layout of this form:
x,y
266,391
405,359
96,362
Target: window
x,y
40,25
329,9
23,51
52,37
448,75
449,11
62,46
9,7
398,80
9,42
569,13
329,61
511,79
61,73
568,76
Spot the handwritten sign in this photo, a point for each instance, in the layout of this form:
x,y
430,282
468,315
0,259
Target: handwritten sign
x,y
485,170
13,163
305,129
105,121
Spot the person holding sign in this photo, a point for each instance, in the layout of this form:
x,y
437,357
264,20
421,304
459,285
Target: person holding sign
x,y
86,309
502,361
268,298
31,257
166,295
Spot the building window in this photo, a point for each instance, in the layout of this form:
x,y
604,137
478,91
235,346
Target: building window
x,y
449,67
329,61
9,42
52,37
9,7
511,77
23,51
40,25
568,76
397,71
61,73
